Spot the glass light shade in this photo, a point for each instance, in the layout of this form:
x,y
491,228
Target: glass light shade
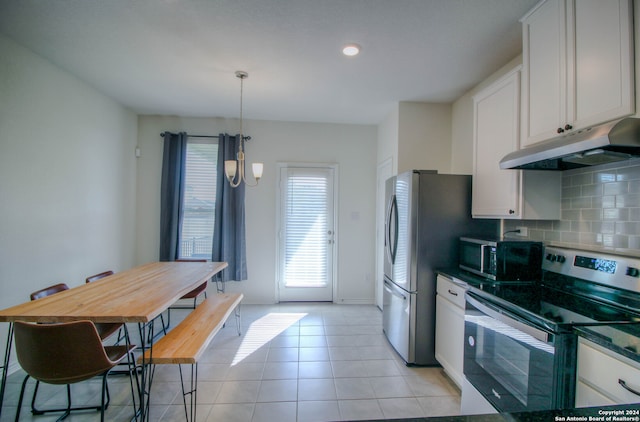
x,y
257,170
230,168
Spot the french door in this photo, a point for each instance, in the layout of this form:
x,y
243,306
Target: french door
x,y
306,232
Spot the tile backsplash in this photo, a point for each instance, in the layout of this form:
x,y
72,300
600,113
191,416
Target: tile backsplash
x,y
600,210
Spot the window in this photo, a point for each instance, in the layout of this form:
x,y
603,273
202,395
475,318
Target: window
x,y
199,201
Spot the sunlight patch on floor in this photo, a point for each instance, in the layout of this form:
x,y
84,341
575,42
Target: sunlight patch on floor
x,y
264,330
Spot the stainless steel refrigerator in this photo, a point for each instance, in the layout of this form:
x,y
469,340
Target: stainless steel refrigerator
x,y
426,213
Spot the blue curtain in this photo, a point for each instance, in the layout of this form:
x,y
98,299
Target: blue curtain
x,y
229,244
172,191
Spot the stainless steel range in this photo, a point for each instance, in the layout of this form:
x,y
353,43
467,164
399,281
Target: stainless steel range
x,y
520,342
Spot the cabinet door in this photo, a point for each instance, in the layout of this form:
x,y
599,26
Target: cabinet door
x,y
496,192
601,72
450,328
543,72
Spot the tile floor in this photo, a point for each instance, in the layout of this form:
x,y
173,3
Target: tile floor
x,y
293,362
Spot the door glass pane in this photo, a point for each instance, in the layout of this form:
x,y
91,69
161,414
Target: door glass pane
x,y
306,229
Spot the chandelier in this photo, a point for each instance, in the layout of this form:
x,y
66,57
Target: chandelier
x,y
234,169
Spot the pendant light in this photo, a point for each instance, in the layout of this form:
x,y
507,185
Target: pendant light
x,y
234,169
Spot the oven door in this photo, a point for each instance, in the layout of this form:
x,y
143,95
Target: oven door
x,y
510,362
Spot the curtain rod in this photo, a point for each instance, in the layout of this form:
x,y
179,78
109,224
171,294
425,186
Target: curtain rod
x,y
196,136
245,138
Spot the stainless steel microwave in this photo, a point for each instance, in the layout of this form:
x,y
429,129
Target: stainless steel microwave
x,y
502,260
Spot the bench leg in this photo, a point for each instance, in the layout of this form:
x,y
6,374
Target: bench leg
x,y
190,412
238,319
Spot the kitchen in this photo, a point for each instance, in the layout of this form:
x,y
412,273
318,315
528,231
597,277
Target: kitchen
x,y
541,195
132,204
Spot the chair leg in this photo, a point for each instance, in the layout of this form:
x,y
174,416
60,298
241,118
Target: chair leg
x,y
34,410
105,388
24,385
68,411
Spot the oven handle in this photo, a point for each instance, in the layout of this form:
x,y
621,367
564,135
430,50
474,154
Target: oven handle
x,y
499,315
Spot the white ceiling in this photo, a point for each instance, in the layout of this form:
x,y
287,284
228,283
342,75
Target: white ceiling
x,y
178,57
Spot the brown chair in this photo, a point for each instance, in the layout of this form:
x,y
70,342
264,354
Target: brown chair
x,y
47,291
98,276
65,354
193,294
105,329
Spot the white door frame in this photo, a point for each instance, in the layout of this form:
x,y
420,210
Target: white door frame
x,y
334,252
384,171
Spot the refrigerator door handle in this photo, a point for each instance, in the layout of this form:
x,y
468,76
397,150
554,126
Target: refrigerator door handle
x,y
392,244
394,291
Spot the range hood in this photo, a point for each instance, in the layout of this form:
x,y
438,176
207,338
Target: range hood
x,y
610,142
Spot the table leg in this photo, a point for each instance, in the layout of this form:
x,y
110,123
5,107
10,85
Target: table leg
x,y
5,365
146,338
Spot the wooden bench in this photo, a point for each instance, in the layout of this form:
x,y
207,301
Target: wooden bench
x,y
188,340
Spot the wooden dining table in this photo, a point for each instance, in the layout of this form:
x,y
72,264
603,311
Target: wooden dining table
x,y
137,295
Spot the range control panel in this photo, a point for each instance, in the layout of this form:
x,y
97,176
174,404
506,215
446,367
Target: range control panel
x,y
615,270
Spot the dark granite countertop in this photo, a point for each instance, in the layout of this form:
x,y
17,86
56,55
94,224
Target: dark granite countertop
x,y
622,339
464,276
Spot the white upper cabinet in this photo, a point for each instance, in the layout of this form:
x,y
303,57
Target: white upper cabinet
x,y
577,66
501,193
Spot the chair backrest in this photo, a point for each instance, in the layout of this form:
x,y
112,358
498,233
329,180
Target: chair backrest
x,y
47,291
60,353
98,276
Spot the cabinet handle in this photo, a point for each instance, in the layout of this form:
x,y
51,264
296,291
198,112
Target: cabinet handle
x,y
452,292
568,127
560,130
512,212
626,387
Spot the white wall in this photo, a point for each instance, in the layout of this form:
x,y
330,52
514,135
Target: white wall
x,y
424,137
67,178
388,138
352,147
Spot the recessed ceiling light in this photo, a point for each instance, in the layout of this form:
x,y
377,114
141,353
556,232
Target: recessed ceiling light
x,y
351,50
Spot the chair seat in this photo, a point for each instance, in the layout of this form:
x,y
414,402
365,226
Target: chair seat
x,y
195,292
107,329
117,353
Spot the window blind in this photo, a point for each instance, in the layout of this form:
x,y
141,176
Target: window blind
x,y
199,199
305,229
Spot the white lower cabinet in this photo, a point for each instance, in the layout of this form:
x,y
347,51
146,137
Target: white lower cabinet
x,y
450,327
605,377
